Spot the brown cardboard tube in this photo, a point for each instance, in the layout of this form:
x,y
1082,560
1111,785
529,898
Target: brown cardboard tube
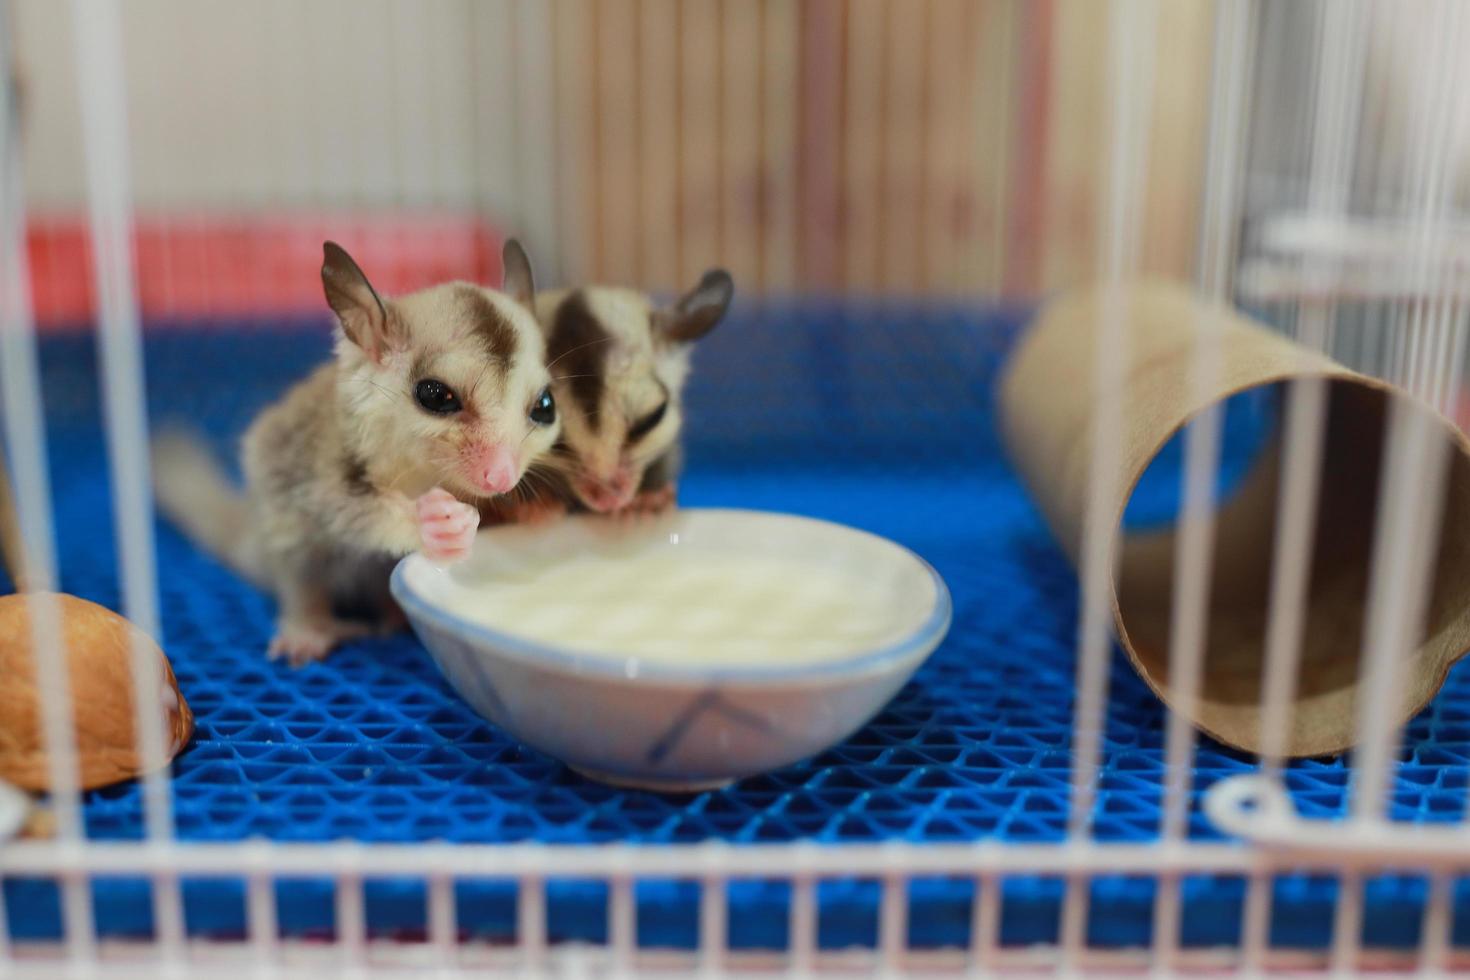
x,y
1049,399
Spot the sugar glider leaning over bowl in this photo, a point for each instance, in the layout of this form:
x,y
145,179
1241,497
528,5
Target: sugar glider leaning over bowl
x,y
618,363
434,403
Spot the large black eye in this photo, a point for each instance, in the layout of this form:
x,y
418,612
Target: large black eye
x,y
648,423
543,409
437,397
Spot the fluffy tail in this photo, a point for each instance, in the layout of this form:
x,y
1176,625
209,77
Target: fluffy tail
x,y
195,494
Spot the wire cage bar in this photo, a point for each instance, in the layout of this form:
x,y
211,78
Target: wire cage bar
x,y
899,186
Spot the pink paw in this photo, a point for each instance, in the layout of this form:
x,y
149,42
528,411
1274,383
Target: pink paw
x,y
301,643
446,526
651,501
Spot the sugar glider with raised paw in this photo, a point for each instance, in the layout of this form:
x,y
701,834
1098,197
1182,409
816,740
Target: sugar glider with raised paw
x,y
434,403
618,364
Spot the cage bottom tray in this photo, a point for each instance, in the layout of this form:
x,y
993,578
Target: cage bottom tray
x,y
876,416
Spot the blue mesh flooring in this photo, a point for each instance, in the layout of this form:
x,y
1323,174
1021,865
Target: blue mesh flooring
x,y
876,416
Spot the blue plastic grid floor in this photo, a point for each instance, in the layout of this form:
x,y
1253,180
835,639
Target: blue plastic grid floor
x,y
876,416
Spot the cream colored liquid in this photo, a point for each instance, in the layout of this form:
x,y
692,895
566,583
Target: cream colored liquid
x,y
676,607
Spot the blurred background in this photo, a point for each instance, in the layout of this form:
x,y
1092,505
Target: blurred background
x,y
883,146
939,153
937,147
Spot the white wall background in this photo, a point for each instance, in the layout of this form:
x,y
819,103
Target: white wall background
x,y
318,102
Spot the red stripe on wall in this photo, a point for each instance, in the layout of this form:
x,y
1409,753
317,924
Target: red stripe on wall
x,y
256,265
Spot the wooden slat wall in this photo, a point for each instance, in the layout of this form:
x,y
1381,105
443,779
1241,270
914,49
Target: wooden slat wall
x,y
616,184
658,63
886,146
780,77
863,125
578,186
985,178
740,117
1176,148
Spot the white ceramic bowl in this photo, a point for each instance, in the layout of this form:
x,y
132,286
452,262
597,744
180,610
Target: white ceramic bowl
x,y
662,722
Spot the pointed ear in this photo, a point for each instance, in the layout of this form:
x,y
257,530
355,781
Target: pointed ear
x,y
363,317
517,281
697,311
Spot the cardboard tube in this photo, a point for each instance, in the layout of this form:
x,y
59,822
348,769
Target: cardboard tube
x,y
1049,399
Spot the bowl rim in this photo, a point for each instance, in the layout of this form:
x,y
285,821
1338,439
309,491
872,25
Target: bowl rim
x,y
924,639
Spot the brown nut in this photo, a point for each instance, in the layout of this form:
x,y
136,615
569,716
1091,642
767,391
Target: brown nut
x,y
99,650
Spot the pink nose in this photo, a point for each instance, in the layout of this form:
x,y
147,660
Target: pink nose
x,y
495,470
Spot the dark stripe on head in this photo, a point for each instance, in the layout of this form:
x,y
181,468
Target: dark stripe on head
x,y
646,424
355,475
577,350
494,331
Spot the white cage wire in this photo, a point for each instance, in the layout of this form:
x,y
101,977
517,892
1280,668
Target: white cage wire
x,y
1300,210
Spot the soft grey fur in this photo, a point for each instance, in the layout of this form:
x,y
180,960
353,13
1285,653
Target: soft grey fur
x,y
628,356
340,471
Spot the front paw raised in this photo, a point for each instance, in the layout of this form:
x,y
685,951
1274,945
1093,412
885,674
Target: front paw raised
x,y
446,526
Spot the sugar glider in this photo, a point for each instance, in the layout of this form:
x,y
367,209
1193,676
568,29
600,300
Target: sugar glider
x,y
434,403
618,364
